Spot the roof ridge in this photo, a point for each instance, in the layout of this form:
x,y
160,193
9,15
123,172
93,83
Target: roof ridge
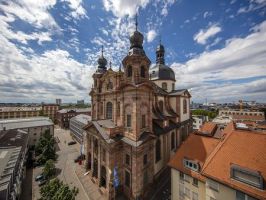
x,y
216,149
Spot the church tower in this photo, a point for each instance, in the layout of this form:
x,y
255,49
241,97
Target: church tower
x,y
136,64
137,102
97,86
162,75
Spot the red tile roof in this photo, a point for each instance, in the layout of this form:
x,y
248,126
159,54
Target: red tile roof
x,y
243,148
208,128
195,147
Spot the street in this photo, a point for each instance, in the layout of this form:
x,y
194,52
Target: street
x,y
65,165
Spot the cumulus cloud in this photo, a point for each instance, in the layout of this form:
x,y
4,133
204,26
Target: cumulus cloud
x,y
151,35
221,72
204,34
121,8
38,78
33,12
77,10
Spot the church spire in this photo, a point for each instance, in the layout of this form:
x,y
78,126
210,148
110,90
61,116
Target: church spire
x,y
102,62
136,21
160,52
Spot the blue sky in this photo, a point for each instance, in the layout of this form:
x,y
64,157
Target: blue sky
x,y
49,48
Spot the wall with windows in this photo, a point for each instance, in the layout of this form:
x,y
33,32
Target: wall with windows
x,y
186,187
170,84
184,113
215,191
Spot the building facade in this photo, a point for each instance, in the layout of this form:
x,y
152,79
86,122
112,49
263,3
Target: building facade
x,y
63,116
76,125
50,110
19,112
34,126
13,157
138,121
231,168
198,121
243,115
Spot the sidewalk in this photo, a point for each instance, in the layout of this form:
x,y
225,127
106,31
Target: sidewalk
x,y
90,188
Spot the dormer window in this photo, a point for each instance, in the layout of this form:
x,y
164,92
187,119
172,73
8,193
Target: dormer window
x,y
191,164
247,176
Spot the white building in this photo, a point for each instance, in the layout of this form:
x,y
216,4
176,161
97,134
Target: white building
x,y
35,126
198,120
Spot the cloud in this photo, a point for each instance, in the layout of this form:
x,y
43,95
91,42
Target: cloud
x,y
204,34
166,5
151,35
36,78
121,8
78,11
229,72
35,13
253,5
207,14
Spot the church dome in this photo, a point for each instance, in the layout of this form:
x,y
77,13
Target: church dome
x,y
102,62
162,72
136,40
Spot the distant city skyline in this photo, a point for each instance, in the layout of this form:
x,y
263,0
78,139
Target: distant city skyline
x,y
49,49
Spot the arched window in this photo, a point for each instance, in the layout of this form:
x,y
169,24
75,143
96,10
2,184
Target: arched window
x,y
184,106
109,85
142,71
173,86
129,71
109,110
158,150
161,105
172,140
164,86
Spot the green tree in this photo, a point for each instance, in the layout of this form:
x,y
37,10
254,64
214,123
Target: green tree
x,y
49,169
57,190
45,149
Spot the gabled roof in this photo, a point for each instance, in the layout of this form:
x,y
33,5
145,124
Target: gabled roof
x,y
179,92
195,147
243,148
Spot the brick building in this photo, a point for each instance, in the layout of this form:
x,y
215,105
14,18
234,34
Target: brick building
x,y
50,110
138,121
63,116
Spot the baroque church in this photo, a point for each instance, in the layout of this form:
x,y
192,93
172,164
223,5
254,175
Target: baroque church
x,y
138,122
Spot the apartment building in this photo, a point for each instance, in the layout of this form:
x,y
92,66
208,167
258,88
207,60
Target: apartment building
x,y
76,126
231,167
19,112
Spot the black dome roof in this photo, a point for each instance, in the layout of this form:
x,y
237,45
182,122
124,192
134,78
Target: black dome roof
x,y
162,72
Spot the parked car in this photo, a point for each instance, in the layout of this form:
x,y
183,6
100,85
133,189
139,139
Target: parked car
x,y
39,177
36,164
42,182
72,142
80,157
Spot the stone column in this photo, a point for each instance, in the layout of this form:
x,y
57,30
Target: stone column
x,y
99,162
92,155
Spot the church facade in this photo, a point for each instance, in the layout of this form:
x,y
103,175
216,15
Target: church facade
x,y
138,122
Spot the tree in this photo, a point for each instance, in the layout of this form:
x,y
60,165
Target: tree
x,y
45,149
57,190
49,169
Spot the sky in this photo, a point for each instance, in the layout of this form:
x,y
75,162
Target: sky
x,y
49,48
